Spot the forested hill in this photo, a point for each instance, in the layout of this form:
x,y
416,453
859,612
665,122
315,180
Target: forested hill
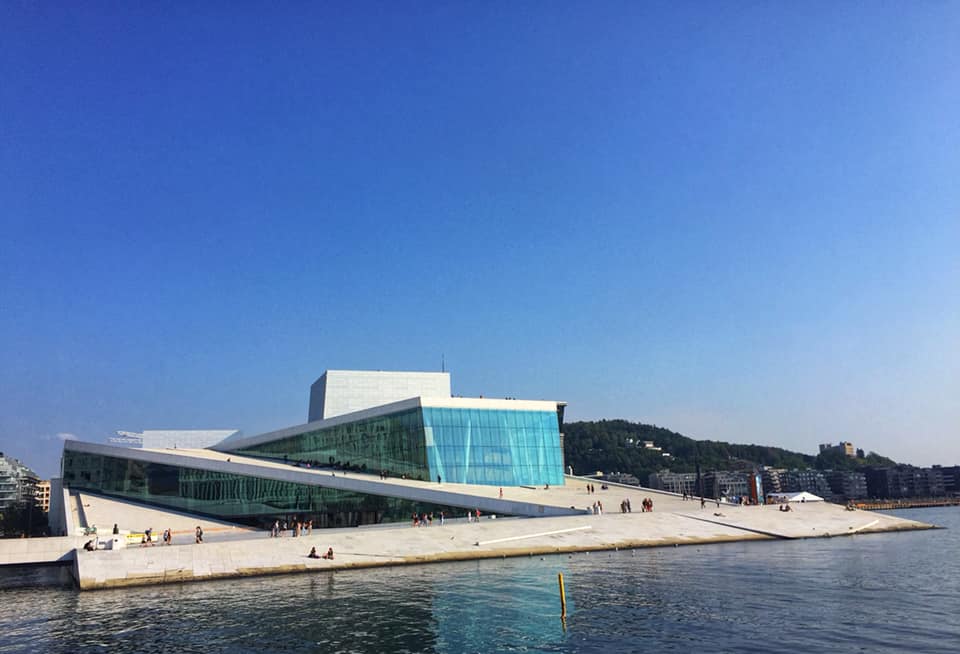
x,y
605,445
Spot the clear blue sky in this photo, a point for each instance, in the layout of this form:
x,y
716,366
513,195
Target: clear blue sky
x,y
740,221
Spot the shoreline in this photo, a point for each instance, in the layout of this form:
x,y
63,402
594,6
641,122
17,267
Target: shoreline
x,y
895,505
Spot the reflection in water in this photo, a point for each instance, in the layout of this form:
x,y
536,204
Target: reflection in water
x,y
891,592
524,613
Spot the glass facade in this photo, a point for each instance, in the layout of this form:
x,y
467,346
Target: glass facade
x,y
493,447
236,498
392,442
472,446
469,446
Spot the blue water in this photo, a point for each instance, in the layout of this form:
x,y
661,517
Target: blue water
x,y
870,593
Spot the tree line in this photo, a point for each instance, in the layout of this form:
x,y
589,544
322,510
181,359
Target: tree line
x,y
616,446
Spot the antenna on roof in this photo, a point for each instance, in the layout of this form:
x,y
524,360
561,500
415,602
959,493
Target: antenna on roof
x,y
443,363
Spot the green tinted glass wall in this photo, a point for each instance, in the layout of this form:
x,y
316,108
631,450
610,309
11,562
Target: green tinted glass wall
x,y
394,442
237,498
493,447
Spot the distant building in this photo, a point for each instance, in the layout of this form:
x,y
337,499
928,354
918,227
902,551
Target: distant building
x,y
936,486
812,481
845,446
847,485
884,483
903,481
43,495
723,483
18,483
951,479
774,479
621,478
674,482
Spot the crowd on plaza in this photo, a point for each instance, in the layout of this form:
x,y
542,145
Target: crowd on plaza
x,y
296,526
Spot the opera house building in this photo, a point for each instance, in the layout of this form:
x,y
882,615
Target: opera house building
x,y
369,432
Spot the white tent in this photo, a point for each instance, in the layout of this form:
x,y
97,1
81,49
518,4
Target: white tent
x,y
802,496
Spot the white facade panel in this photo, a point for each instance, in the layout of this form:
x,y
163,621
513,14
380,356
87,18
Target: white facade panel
x,y
339,392
159,439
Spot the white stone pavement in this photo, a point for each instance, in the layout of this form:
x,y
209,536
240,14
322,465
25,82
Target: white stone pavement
x,y
103,513
367,547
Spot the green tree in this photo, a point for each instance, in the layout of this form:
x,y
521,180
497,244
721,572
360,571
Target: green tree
x,y
23,519
616,446
836,459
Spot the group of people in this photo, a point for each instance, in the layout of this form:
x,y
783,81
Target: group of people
x,y
166,538
426,519
313,554
146,539
297,528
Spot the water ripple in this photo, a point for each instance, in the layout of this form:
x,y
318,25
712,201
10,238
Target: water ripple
x,y
877,593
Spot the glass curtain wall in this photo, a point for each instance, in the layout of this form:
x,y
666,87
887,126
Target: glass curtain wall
x,y
493,447
236,498
394,443
470,446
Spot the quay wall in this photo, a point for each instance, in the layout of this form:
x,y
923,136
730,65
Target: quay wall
x,y
26,551
915,503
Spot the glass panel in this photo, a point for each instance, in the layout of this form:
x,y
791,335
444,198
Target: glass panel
x,y
395,443
237,498
509,448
